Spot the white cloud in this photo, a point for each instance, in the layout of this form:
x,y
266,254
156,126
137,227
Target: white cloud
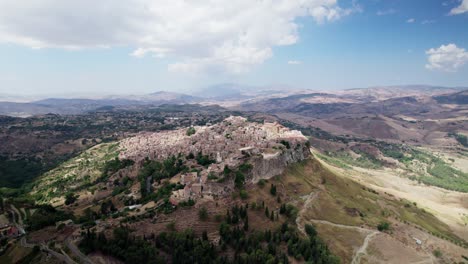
x,y
222,35
462,8
446,58
427,21
411,20
386,12
294,62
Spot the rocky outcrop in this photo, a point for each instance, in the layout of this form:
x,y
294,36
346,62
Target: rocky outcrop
x,y
267,166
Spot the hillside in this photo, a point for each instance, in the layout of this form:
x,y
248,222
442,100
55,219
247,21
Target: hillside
x,y
255,182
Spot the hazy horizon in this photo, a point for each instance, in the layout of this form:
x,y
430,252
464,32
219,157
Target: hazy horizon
x,y
192,92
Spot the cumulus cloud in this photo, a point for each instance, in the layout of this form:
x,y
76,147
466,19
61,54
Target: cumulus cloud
x,y
411,20
294,62
462,8
446,58
223,35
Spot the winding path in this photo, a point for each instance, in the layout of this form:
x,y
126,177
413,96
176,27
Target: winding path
x,y
362,250
62,257
300,222
20,219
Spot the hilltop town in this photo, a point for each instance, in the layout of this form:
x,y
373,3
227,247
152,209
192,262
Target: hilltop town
x,y
264,149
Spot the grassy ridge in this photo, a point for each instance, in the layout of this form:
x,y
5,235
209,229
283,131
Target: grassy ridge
x,y
421,166
75,173
343,201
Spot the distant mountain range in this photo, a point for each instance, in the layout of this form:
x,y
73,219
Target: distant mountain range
x,y
227,94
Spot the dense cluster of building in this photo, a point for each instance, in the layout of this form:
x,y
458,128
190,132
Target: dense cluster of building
x,y
229,143
221,141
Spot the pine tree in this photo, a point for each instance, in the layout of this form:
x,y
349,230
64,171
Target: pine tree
x,y
283,209
273,189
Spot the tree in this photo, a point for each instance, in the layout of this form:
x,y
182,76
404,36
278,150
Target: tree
x,y
310,230
243,194
203,213
239,180
383,226
190,131
273,189
282,209
190,156
246,223
70,198
437,253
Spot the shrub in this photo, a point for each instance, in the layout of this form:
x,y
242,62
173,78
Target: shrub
x,y
70,198
190,131
261,183
243,194
203,213
171,226
383,226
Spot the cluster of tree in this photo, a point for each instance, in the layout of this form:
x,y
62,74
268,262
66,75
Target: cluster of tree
x,y
238,214
289,210
188,203
107,207
184,247
122,246
238,174
154,170
112,166
383,226
162,193
285,143
15,172
88,218
267,246
204,160
46,215
462,139
174,247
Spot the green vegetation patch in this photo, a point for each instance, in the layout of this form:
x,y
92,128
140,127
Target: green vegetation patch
x,y
238,244
77,173
15,172
343,159
462,139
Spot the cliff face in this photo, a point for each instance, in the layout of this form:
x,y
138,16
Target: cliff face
x,y
267,166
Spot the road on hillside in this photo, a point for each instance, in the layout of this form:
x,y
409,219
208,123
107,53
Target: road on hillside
x,y
62,257
77,252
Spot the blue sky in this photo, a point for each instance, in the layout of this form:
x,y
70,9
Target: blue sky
x,y
327,45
